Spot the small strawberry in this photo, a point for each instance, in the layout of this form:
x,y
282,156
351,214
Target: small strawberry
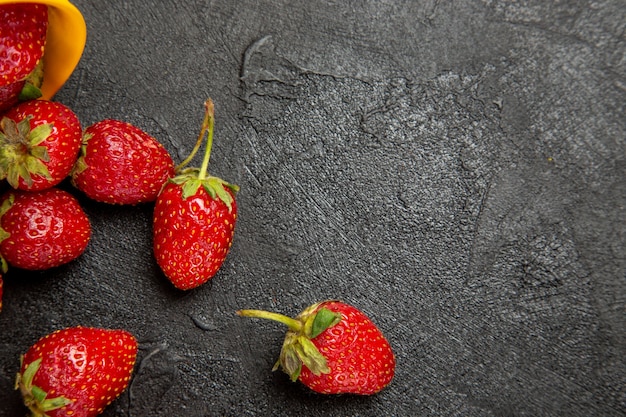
x,y
39,144
42,229
76,371
194,219
9,95
121,164
333,348
23,29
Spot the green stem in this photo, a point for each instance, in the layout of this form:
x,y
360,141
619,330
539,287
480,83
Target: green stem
x,y
207,124
209,144
293,324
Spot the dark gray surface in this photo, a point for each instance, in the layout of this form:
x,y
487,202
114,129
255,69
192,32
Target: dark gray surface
x,y
457,171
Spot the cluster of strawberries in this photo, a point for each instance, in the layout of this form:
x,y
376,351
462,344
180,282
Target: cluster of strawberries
x,y
42,144
331,346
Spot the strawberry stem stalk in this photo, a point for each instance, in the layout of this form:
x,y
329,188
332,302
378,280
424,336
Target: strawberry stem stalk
x,y
298,350
293,324
207,125
210,121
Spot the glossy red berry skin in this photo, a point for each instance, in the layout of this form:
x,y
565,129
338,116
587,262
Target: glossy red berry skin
x,y
23,28
9,96
87,367
333,348
42,229
192,235
22,39
62,144
121,164
358,355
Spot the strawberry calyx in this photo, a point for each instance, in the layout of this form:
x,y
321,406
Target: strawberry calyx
x,y
80,165
32,85
35,398
190,182
298,349
4,267
21,152
6,206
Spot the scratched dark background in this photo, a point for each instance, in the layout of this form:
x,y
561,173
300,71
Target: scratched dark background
x,y
455,169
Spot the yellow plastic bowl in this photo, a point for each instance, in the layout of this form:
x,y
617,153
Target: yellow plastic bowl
x,y
65,42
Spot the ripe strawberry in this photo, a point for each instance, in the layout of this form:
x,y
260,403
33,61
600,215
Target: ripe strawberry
x,y
333,348
41,229
9,95
121,164
76,371
194,219
39,144
23,29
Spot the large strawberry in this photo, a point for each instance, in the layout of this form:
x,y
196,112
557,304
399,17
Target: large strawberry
x,y
334,348
76,371
194,219
121,164
23,28
42,229
39,144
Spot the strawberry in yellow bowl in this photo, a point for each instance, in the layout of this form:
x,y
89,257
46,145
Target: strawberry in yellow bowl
x,y
41,42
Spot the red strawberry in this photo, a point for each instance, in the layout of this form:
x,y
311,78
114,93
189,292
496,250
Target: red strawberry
x,y
39,144
9,95
194,220
23,30
333,348
121,164
42,229
76,371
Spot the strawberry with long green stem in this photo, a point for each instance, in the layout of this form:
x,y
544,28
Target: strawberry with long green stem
x,y
333,348
194,218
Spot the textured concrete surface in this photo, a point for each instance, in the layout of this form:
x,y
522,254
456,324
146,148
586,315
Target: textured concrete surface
x,y
455,169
